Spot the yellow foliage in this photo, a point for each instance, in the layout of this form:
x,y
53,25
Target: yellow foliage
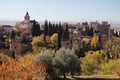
x,y
94,41
54,38
97,55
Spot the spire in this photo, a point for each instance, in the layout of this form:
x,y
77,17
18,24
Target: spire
x,y
27,14
26,17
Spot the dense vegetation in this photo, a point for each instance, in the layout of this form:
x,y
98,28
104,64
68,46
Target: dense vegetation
x,y
49,60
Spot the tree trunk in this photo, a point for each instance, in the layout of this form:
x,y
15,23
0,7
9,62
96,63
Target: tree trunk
x,y
64,75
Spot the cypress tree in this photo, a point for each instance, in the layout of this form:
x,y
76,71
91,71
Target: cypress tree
x,y
50,29
12,34
53,28
90,32
45,29
66,33
35,29
60,32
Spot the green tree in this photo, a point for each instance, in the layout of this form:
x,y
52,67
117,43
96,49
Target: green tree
x,y
66,33
12,34
35,29
90,32
45,30
60,33
46,58
66,61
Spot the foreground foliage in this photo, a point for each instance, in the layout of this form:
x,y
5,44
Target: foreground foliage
x,y
12,69
91,62
112,67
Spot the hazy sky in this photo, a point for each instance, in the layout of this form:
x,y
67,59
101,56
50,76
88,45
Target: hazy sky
x,y
61,10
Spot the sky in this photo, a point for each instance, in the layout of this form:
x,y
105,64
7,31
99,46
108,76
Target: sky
x,y
61,10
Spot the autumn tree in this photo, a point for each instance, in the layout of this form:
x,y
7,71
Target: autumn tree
x,y
38,42
112,46
89,63
23,68
94,42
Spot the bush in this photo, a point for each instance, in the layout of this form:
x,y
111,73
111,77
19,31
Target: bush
x,y
89,66
113,66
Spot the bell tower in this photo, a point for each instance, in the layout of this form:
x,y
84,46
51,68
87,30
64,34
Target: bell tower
x,y
27,17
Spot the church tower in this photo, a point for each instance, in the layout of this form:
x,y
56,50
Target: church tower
x,y
27,17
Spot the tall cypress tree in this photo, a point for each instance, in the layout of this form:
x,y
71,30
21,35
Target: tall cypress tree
x,y
56,28
35,29
50,29
60,33
116,34
66,33
12,34
53,28
90,32
45,29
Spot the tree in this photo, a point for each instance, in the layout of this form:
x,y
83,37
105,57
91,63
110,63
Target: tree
x,y
111,67
45,30
90,32
94,42
12,34
116,34
66,61
50,29
89,63
46,58
38,42
54,38
66,33
23,69
35,29
112,46
60,33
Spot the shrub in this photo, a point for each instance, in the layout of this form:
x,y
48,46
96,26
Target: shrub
x,y
89,66
112,67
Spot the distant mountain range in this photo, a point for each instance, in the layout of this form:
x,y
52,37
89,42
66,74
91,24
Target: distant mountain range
x,y
12,23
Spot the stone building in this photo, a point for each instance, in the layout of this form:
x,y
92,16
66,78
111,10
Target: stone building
x,y
15,44
104,29
103,40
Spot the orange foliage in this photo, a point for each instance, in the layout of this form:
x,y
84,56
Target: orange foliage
x,y
41,37
13,69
